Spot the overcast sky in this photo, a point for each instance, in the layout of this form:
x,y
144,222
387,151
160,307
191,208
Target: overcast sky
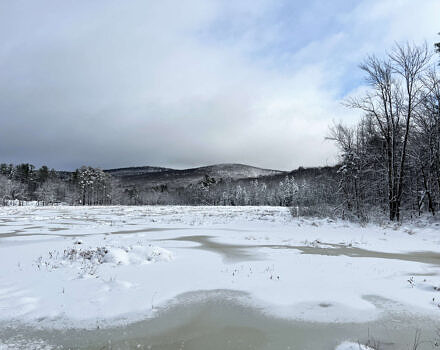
x,y
188,83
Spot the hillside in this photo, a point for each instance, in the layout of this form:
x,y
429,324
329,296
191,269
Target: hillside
x,y
131,171
174,178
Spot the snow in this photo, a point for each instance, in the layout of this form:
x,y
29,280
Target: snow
x,y
352,346
82,266
17,344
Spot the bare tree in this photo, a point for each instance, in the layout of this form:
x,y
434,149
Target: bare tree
x,y
396,91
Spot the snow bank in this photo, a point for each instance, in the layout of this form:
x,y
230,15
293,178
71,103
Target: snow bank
x,y
136,255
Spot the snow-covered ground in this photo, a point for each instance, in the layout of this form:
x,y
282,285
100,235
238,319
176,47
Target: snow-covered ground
x,y
63,267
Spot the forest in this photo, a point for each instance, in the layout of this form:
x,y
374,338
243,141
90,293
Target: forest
x,y
390,160
92,186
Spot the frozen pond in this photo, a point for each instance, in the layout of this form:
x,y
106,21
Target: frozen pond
x,y
217,322
212,278
243,252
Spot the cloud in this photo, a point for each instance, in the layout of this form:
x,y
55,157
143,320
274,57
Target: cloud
x,y
182,84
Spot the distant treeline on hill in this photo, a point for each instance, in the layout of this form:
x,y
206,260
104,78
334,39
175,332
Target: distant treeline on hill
x,y
216,185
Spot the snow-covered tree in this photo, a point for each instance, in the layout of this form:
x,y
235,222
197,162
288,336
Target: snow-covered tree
x,y
287,190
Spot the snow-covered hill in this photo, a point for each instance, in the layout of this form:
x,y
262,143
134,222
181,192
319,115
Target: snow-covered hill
x,y
175,178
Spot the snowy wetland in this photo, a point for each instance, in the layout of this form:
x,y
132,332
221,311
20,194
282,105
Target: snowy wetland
x,y
171,277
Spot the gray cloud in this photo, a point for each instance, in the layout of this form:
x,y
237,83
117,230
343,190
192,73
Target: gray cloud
x,y
112,83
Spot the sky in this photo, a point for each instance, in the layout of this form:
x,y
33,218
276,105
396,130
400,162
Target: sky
x,y
188,83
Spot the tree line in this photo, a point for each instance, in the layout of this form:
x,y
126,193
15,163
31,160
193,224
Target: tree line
x,y
92,186
24,183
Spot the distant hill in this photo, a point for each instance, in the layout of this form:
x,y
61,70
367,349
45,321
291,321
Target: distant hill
x,y
154,178
131,171
219,184
175,178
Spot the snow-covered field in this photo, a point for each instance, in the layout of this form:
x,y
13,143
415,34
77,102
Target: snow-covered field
x,y
97,267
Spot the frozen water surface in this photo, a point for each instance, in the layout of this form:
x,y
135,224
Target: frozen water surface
x,y
213,277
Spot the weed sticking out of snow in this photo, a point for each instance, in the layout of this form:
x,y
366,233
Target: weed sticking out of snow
x,y
87,260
